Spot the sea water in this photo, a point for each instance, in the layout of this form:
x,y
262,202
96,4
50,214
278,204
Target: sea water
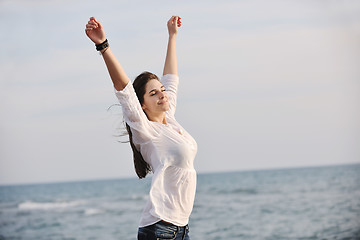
x,y
302,203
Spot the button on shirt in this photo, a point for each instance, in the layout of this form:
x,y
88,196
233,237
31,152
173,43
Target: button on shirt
x,y
170,151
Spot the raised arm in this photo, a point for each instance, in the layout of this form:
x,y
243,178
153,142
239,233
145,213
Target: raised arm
x,y
95,31
170,66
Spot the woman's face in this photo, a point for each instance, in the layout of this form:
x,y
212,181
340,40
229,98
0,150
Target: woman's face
x,y
156,100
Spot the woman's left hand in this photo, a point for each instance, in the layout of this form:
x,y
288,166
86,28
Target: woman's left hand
x,y
173,24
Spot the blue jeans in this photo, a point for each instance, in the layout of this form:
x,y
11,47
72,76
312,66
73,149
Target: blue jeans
x,y
163,230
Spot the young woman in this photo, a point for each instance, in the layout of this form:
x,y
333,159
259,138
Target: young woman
x,y
158,141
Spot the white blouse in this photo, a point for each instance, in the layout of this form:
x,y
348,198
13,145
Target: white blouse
x,y
170,151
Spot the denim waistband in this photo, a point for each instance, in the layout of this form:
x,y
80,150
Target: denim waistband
x,y
163,230
170,224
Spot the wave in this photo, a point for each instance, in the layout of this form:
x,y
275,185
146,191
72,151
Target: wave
x,y
29,205
139,197
136,197
245,191
92,211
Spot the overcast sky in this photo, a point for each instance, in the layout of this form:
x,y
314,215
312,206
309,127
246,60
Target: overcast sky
x,y
264,84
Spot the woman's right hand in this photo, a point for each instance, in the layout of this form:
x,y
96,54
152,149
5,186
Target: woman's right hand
x,y
95,31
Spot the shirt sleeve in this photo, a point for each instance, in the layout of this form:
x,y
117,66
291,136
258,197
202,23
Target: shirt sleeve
x,y
134,115
171,82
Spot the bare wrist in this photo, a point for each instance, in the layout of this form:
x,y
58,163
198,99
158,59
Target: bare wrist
x,y
172,36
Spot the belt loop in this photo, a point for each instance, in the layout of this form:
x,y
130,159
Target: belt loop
x,y
184,232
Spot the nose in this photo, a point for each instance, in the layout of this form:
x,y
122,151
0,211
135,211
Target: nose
x,y
162,95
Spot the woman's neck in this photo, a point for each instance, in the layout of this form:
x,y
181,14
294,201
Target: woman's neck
x,y
158,118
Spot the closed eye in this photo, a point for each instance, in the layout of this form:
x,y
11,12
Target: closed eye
x,y
155,91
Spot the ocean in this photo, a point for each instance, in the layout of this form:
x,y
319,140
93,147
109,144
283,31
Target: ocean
x,y
300,203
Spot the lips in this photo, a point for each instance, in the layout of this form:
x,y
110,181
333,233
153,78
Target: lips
x,y
162,102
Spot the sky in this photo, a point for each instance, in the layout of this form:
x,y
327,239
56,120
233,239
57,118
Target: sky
x,y
263,84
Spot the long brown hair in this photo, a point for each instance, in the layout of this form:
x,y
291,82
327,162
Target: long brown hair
x,y
142,168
